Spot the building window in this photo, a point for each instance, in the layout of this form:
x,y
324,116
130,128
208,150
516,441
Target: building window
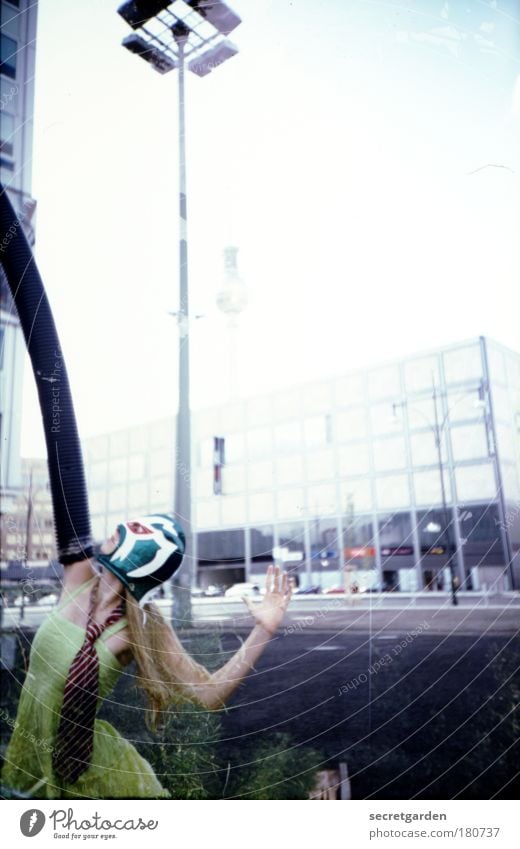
x,y
354,459
260,475
261,506
462,364
219,459
469,443
233,510
290,551
221,546
325,552
384,383
7,133
291,502
8,48
235,448
389,454
352,424
322,499
357,493
262,544
289,469
474,483
259,442
435,530
392,491
10,19
428,488
358,539
288,436
318,431
395,535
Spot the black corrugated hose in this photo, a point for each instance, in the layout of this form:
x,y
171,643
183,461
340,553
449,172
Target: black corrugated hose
x,y
66,474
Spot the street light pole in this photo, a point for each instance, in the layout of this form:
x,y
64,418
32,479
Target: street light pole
x,y
181,614
169,34
28,537
438,436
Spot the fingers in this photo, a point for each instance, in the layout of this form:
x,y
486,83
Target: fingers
x,y
248,603
285,583
278,582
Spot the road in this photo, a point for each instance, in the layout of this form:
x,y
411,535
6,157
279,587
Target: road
x,y
418,705
324,609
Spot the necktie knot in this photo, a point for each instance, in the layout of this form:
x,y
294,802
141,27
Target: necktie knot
x,y
94,630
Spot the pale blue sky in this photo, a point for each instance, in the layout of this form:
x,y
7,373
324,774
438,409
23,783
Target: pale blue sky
x,y
336,150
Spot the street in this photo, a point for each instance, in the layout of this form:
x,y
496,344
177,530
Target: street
x,y
420,704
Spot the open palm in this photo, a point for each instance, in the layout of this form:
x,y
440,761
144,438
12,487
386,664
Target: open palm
x,y
269,612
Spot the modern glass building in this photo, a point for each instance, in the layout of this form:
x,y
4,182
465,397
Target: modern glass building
x,y
17,64
384,476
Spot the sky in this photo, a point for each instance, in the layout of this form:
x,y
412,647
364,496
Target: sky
x,y
363,156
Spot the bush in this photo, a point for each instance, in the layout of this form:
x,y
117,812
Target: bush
x,y
280,770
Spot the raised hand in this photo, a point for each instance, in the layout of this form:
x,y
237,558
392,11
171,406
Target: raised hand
x,y
278,590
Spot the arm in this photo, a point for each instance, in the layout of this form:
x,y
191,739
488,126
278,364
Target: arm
x,y
212,690
75,574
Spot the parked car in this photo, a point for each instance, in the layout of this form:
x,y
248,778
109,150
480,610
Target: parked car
x,y
332,590
51,598
239,590
212,591
312,590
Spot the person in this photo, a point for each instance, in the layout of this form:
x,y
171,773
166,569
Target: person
x,y
103,621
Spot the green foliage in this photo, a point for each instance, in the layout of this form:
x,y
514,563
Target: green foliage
x,y
189,762
184,753
280,770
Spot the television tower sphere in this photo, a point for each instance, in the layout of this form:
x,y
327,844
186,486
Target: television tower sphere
x,y
232,296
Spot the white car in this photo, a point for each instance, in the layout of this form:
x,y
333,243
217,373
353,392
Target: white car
x,y
239,590
52,598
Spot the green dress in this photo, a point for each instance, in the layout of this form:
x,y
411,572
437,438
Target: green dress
x,y
116,770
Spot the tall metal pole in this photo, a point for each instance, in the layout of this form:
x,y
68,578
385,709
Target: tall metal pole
x,y
181,611
454,598
489,422
28,540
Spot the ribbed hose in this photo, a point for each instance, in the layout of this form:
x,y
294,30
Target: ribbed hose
x,y
67,479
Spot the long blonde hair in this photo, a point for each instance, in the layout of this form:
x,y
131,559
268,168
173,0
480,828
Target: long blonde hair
x,y
160,658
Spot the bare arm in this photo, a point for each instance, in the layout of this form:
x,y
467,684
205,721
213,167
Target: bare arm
x,y
212,690
76,574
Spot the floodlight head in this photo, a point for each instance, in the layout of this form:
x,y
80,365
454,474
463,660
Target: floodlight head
x,y
158,61
217,14
211,59
138,12
181,32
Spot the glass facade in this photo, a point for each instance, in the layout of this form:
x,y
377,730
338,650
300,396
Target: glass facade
x,y
342,480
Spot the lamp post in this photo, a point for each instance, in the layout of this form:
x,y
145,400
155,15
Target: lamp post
x,y
437,428
172,35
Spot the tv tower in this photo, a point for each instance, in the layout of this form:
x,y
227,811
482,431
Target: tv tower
x,y
232,299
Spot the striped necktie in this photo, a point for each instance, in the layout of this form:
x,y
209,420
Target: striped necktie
x,y
74,741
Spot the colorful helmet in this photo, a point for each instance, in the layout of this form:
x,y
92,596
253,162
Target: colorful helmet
x,y
149,551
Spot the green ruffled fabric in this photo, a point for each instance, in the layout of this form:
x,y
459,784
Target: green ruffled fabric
x,y
117,770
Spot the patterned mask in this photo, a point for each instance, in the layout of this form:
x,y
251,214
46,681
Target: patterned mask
x,y
149,552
